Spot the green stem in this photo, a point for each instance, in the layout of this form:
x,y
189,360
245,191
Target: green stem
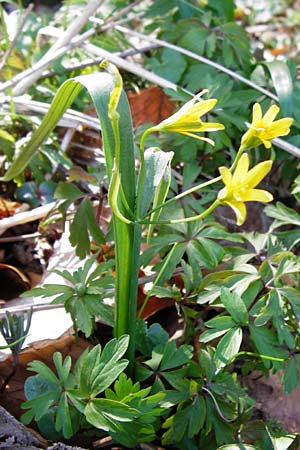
x,y
127,248
238,155
183,194
256,355
184,220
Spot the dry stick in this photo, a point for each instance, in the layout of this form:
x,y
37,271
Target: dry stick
x,y
40,66
28,216
69,34
133,68
30,74
21,237
198,58
97,60
122,12
18,32
71,118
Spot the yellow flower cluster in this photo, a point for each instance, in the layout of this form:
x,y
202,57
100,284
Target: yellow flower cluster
x,y
240,186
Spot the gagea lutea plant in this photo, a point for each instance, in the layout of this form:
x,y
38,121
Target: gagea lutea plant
x,y
97,391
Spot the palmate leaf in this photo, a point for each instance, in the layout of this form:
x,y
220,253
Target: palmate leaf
x,y
100,369
228,346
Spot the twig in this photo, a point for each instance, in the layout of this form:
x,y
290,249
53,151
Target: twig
x,y
18,32
193,55
122,12
133,68
71,118
96,61
63,41
21,237
41,65
25,217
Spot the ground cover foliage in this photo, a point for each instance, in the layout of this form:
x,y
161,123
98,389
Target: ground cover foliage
x,y
170,199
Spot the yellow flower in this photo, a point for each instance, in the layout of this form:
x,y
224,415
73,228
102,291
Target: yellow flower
x,y
263,128
240,186
187,120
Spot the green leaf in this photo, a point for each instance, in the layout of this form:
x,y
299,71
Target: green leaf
x,y
173,259
63,417
160,195
220,325
156,164
281,442
291,375
84,221
48,290
194,40
283,214
267,344
170,66
67,191
43,370
207,252
89,361
235,306
173,357
99,371
40,405
197,415
148,338
114,410
63,368
283,85
228,347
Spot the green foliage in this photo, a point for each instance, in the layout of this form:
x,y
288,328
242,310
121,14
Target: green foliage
x,y
239,292
83,296
68,396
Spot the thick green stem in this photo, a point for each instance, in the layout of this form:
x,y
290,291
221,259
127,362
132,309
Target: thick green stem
x,y
127,248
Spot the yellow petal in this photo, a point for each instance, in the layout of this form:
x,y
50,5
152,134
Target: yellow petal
x,y
270,115
211,126
255,195
280,128
241,169
203,107
256,114
226,176
257,173
201,138
240,211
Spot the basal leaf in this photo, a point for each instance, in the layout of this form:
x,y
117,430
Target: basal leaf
x,y
283,85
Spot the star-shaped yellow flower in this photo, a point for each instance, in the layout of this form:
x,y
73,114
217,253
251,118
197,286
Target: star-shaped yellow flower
x,y
240,186
187,120
263,128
